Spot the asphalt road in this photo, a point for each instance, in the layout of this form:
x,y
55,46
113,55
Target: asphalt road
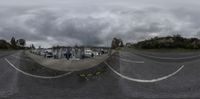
x,y
127,75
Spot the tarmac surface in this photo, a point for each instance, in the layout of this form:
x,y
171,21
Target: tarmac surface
x,y
125,75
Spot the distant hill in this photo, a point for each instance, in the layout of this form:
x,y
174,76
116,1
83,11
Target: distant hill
x,y
170,42
4,45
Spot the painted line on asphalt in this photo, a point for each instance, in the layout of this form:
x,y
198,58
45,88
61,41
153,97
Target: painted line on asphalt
x,y
132,61
141,80
36,76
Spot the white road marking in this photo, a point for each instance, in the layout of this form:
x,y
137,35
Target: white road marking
x,y
141,80
36,76
131,61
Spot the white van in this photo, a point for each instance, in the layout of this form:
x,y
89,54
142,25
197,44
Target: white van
x,y
88,53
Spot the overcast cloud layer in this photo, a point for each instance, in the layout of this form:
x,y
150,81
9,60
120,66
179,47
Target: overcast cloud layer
x,y
96,22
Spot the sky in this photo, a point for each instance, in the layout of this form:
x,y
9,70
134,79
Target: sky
x,y
49,23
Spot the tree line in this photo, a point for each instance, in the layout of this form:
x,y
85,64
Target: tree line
x,y
175,41
13,44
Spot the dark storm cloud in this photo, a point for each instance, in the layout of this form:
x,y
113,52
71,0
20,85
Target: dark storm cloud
x,y
53,25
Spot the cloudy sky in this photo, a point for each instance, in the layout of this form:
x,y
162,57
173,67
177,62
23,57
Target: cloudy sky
x,y
96,22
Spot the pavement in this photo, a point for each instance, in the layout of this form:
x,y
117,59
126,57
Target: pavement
x,y
127,75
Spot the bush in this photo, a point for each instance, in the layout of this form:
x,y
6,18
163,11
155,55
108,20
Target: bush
x,y
175,41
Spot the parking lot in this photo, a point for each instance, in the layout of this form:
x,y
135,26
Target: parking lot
x,y
127,75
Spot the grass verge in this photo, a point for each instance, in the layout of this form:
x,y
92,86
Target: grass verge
x,y
163,50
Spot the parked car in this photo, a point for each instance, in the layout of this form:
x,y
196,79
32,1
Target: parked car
x,y
42,52
48,53
88,53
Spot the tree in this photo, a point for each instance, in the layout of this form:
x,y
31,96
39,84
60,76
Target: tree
x,y
22,42
4,45
13,42
121,44
76,45
32,46
116,43
39,47
175,41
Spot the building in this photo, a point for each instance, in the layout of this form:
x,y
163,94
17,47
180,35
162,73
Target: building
x,y
74,53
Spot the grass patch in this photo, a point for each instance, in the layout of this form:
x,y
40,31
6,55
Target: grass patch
x,y
92,73
163,50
